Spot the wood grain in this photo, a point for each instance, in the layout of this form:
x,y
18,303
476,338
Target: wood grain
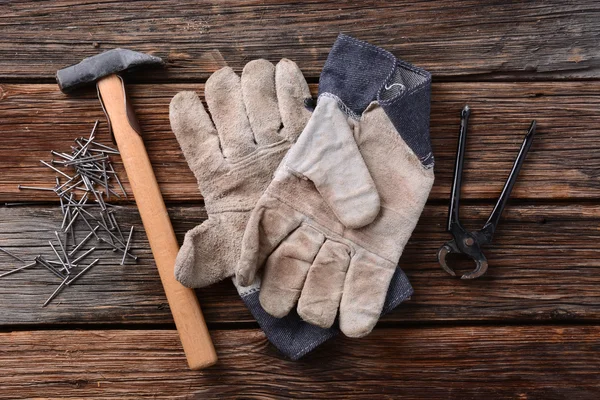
x,y
564,162
548,362
543,267
453,39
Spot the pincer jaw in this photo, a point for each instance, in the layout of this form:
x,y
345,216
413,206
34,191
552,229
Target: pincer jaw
x,y
481,264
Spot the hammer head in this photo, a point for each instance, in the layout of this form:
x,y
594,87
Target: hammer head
x,y
110,62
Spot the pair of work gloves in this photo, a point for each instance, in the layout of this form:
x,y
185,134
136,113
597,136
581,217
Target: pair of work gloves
x,y
308,210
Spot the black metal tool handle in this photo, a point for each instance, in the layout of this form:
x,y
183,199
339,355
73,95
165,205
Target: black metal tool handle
x,y
454,209
490,226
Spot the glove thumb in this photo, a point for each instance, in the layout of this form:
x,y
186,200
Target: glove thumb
x,y
209,252
326,153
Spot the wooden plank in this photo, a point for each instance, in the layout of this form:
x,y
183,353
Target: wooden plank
x,y
544,362
109,292
543,267
563,164
452,39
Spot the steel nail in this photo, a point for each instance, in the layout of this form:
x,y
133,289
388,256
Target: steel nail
x,y
85,239
70,187
21,203
110,221
84,147
50,268
22,187
83,271
105,180
127,246
102,183
112,169
55,293
84,255
72,219
102,151
111,215
59,258
59,264
66,216
12,255
18,269
66,183
103,146
110,233
72,232
62,205
61,155
93,230
55,169
86,160
63,249
118,248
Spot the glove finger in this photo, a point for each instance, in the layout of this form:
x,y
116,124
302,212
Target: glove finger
x,y
270,222
195,133
260,98
226,105
286,270
320,298
327,154
208,252
292,92
364,294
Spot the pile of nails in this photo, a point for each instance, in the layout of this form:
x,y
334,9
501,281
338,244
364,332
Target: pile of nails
x,y
89,177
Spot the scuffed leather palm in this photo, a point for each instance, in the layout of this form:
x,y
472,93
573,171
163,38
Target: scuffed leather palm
x,y
256,119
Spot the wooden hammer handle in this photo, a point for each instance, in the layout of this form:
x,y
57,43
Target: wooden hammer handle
x,y
183,302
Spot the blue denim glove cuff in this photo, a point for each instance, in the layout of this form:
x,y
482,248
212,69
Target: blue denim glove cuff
x,y
358,73
355,72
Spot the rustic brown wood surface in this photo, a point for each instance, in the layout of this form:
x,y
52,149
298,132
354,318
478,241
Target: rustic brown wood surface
x,y
563,164
556,276
528,329
544,362
526,40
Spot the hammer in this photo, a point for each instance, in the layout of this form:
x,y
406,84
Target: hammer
x,y
103,69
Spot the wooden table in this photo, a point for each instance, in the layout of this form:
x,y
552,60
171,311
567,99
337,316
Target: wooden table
x,y
529,329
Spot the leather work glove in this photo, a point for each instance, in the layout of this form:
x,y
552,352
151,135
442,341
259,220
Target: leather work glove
x,y
305,229
256,119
